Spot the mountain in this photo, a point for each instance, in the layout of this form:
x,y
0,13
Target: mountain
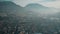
x,y
31,10
35,6
10,8
40,9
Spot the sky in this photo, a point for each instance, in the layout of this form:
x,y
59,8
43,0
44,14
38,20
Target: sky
x,y
47,3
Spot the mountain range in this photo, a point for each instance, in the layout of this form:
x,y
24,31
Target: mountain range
x,y
32,9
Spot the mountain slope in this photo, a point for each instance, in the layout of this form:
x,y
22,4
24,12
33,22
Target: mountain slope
x,y
10,8
40,10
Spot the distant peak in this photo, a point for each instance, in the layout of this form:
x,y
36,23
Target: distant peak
x,y
34,4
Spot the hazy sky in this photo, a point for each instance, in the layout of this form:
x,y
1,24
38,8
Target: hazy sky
x,y
48,3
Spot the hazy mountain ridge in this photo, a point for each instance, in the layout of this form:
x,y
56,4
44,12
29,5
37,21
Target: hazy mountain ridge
x,y
30,10
39,9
